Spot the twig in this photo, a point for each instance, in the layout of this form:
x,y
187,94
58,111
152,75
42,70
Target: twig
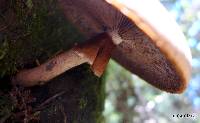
x,y
49,100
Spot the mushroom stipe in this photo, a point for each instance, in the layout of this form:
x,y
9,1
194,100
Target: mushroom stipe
x,y
127,32
96,52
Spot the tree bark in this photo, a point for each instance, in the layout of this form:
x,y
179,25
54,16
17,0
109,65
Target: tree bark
x,y
39,31
82,99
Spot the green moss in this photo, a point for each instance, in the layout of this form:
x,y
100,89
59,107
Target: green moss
x,y
38,32
6,106
83,100
82,103
92,94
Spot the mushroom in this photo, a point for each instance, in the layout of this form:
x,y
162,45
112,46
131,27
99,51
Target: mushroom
x,y
143,38
166,62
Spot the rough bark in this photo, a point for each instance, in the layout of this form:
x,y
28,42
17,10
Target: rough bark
x,y
38,32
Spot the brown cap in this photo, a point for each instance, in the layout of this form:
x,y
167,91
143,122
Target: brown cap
x,y
152,46
164,59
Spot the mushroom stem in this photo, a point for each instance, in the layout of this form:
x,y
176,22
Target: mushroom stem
x,y
83,53
103,57
50,69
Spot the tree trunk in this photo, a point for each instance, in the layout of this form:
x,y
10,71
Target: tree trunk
x,y
34,30
80,100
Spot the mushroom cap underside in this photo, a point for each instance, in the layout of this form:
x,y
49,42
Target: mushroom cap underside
x,y
158,55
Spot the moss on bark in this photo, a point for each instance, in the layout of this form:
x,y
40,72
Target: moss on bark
x,y
35,31
82,100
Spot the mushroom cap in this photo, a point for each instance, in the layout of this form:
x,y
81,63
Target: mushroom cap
x,y
154,48
154,20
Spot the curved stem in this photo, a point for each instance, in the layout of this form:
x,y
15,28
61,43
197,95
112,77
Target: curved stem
x,y
83,53
50,69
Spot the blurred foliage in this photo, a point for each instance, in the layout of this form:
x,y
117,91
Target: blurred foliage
x,y
131,100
